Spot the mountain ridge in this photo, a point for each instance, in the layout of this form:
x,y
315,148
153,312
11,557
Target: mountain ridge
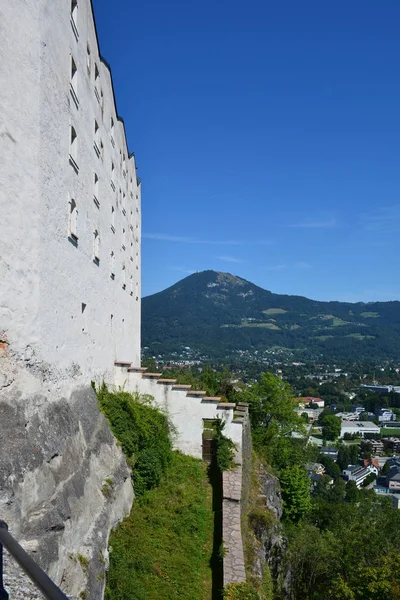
x,y
218,314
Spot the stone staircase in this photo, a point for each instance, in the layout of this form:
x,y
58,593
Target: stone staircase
x,y
186,407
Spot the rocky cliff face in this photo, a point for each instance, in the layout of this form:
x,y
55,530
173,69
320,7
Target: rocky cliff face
x,y
269,544
64,482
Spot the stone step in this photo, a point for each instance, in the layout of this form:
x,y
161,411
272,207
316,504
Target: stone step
x,y
137,369
122,363
196,393
211,399
152,375
181,386
227,405
166,381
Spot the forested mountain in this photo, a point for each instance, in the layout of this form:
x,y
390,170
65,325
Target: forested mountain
x,y
218,313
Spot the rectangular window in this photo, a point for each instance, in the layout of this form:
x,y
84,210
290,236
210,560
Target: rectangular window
x,y
74,17
96,82
96,190
96,247
112,181
72,220
88,60
84,317
96,143
73,148
112,265
73,84
113,219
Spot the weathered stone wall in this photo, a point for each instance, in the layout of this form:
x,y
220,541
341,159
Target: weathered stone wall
x,y
235,490
64,482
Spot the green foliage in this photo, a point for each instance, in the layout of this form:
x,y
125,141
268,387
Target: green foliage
x,y
295,492
369,479
331,467
225,448
386,468
348,455
163,549
144,433
240,591
331,427
346,550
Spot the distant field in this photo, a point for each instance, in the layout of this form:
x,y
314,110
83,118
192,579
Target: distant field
x,y
369,315
390,431
274,311
263,325
360,336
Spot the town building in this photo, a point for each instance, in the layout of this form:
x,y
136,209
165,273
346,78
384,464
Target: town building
x,y
359,428
385,414
356,473
376,446
329,451
391,443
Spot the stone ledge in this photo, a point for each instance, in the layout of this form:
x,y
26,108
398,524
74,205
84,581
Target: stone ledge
x,y
196,393
226,405
121,363
137,369
152,375
181,386
166,381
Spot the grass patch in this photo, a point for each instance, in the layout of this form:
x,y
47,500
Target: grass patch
x,y
274,311
369,315
390,431
164,548
261,325
360,336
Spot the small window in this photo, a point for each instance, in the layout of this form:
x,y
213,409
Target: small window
x,y
113,219
112,175
73,148
123,238
112,264
137,292
131,285
84,317
96,72
88,60
73,220
112,131
96,246
96,190
123,276
101,150
96,137
96,82
74,17
74,81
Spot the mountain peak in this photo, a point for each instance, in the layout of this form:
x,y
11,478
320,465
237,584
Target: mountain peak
x,y
217,313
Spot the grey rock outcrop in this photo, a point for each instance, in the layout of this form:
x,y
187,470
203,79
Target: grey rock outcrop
x,y
271,547
64,482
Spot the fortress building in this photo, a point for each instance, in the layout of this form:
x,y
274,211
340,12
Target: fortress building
x,y
70,195
70,233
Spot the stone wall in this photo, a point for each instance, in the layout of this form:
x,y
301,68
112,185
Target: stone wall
x,y
64,482
235,489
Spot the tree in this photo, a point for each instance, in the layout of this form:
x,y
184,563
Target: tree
x,y
271,407
295,492
352,492
331,467
386,468
331,427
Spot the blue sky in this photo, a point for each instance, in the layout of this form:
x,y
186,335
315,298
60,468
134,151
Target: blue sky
x,y
267,136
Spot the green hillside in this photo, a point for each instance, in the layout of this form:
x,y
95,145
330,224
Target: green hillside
x,y
218,313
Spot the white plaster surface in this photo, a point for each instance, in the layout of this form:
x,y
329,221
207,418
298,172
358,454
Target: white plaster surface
x,y
44,277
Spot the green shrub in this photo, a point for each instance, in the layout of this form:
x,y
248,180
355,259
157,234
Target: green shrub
x,y
225,448
240,591
260,520
144,433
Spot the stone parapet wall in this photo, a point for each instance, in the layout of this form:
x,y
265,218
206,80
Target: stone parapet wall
x,y
235,489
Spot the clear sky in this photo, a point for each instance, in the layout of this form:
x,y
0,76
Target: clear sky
x,y
267,136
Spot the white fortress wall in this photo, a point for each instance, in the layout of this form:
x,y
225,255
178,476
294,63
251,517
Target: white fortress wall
x,y
59,304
